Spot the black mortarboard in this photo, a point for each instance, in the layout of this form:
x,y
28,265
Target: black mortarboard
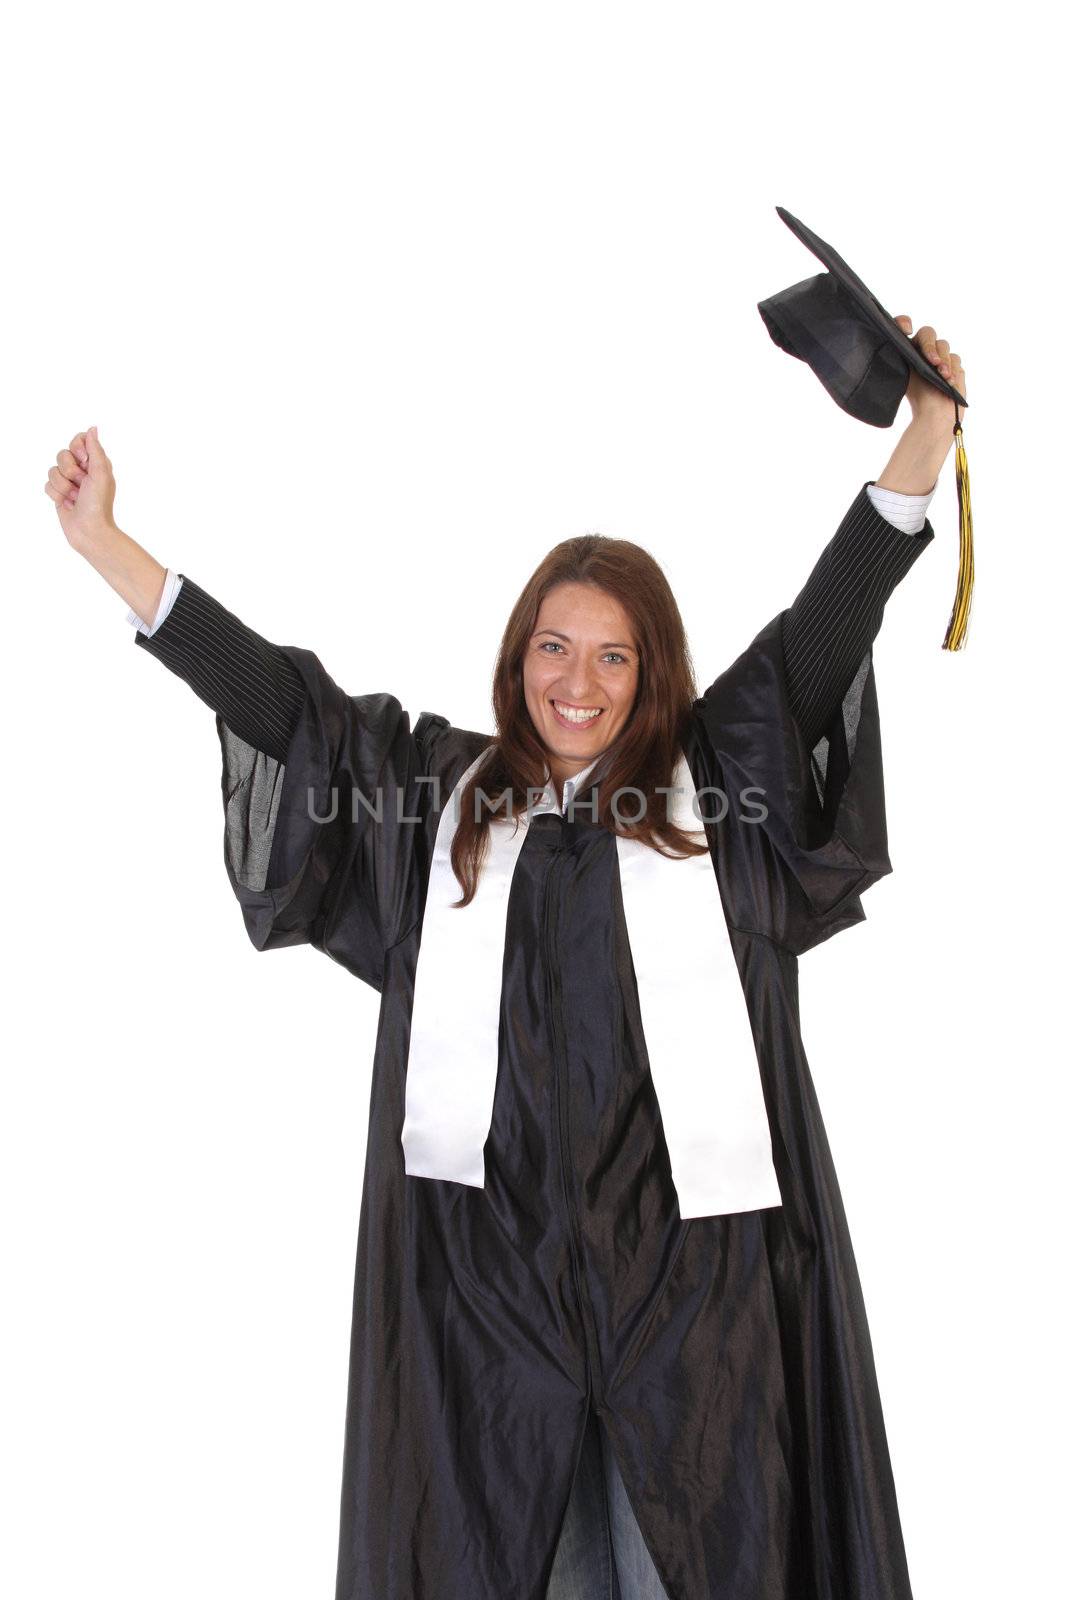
x,y
864,359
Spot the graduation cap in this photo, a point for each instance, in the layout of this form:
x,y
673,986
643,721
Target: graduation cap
x,y
864,359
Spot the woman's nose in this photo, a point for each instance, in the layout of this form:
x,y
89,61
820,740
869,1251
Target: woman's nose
x,y
581,675
578,685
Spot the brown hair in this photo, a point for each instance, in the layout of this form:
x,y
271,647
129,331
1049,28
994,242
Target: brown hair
x,y
645,752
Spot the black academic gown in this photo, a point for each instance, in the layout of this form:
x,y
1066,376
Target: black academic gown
x,y
728,1357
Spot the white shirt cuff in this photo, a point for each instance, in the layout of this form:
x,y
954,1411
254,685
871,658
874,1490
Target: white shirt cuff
x,y
171,585
905,511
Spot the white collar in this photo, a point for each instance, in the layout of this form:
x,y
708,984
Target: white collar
x,y
694,1014
548,802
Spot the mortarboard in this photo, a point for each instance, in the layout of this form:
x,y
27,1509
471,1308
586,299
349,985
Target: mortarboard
x,y
864,359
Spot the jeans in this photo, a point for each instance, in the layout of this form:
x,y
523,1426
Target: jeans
x,y
601,1554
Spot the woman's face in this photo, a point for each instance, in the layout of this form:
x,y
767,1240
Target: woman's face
x,y
580,674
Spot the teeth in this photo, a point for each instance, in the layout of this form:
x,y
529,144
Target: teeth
x,y
572,714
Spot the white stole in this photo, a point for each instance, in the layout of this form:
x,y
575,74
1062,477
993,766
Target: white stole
x,y
694,1016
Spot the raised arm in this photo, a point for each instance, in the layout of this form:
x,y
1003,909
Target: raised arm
x,y
247,680
307,864
838,612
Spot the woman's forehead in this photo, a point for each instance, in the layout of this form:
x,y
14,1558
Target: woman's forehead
x,y
574,607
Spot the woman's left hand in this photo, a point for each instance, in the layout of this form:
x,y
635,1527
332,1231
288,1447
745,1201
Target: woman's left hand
x,y
929,405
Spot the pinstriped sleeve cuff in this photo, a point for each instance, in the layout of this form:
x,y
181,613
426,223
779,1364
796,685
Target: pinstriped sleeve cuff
x,y
171,584
244,678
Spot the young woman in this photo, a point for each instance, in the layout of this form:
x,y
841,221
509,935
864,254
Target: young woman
x,y
608,1337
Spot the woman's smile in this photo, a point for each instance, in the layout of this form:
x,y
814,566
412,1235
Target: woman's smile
x,y
575,716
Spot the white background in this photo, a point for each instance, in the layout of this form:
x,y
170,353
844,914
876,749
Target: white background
x,y
371,306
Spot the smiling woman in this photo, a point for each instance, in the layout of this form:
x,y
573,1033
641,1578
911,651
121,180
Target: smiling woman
x,y
584,677
573,679
608,1338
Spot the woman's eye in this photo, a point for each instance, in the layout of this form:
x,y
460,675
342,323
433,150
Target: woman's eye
x,y
553,644
617,657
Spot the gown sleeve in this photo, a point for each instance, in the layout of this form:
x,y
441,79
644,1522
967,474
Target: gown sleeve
x,y
322,803
793,723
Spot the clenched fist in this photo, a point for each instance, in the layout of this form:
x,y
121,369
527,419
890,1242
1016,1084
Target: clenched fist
x,y
82,484
928,404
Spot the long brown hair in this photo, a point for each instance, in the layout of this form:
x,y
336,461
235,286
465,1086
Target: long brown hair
x,y
645,752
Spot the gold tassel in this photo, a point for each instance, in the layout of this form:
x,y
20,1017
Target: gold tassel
x,y
956,633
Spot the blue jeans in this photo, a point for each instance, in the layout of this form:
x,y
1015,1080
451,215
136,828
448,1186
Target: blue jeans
x,y
601,1554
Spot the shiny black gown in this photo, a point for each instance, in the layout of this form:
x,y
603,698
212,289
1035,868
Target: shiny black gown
x,y
728,1358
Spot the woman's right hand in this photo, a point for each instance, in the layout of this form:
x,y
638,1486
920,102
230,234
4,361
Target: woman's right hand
x,y
82,486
